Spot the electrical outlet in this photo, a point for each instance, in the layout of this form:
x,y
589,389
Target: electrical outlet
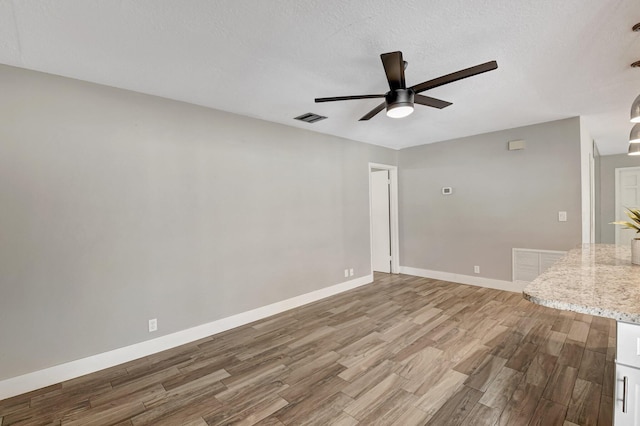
x,y
476,269
346,273
351,272
153,325
562,216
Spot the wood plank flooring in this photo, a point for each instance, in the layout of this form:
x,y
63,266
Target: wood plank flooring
x,y
401,351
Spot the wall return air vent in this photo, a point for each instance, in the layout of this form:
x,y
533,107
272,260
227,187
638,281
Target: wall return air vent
x,y
310,117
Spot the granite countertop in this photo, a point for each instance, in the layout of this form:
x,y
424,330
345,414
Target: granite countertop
x,y
596,279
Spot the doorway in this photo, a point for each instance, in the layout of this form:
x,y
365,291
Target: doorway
x,y
383,215
627,196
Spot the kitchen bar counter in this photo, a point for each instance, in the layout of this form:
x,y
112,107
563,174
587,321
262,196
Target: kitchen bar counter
x,y
595,279
599,279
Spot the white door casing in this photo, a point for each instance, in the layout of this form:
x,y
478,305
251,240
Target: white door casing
x,y
393,233
627,196
592,199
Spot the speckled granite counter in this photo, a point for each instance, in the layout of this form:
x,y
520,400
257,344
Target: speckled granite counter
x,y
596,279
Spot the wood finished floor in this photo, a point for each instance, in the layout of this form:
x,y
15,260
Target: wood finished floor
x,y
401,351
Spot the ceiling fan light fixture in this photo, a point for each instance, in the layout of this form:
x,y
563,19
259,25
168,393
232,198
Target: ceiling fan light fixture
x,y
635,110
399,111
399,103
634,149
634,136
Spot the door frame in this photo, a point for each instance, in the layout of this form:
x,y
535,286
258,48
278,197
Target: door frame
x,y
393,216
617,211
592,199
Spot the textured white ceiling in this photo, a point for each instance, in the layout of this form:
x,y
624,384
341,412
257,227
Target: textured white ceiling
x,y
270,59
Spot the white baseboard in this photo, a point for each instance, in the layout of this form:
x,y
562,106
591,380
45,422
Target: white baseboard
x,y
515,286
59,373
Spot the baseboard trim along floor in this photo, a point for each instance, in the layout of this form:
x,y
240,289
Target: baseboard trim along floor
x,y
59,373
404,350
515,286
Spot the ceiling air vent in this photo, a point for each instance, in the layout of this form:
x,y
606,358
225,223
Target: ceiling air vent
x,y
310,117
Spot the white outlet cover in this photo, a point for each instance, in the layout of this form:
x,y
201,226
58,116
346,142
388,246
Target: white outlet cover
x,y
346,273
562,216
351,272
153,325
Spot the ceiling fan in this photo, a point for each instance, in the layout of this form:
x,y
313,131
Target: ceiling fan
x,y
400,99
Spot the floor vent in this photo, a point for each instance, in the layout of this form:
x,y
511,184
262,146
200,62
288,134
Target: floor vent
x,y
528,263
310,117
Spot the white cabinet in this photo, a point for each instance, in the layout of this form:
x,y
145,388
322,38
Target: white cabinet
x,y
628,344
627,399
627,386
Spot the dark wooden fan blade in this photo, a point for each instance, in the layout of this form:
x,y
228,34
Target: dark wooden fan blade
x,y
458,75
348,98
429,101
373,112
394,68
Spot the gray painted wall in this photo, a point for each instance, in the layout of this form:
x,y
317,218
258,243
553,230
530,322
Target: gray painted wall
x,y
119,207
501,199
607,207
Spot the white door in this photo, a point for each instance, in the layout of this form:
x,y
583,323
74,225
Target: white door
x,y
380,221
627,196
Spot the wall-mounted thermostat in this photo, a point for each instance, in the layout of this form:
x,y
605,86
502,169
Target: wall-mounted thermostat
x,y
447,190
